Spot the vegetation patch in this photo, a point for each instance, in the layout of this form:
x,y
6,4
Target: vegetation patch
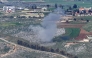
x,y
4,48
1,40
72,32
60,38
79,3
9,24
88,27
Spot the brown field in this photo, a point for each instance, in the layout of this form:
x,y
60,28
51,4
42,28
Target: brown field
x,y
68,25
83,34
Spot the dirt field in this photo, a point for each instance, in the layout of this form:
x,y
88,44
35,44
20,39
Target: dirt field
x,y
83,34
68,25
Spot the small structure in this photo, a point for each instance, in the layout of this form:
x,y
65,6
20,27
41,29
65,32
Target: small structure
x,y
81,8
19,8
84,8
44,8
9,9
39,9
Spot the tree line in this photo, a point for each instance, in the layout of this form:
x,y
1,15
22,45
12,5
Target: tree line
x,y
42,48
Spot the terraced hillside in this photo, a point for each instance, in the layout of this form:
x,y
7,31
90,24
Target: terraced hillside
x,y
12,50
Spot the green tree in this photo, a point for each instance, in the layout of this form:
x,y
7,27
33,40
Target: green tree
x,y
74,6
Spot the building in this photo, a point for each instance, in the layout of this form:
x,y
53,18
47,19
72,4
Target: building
x,y
9,9
86,9
44,8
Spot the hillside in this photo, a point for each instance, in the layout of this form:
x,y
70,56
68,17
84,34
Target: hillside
x,y
79,3
88,27
16,51
22,0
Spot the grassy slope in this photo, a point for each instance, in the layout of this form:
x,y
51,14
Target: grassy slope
x,y
30,53
82,50
88,27
72,32
9,24
23,0
79,3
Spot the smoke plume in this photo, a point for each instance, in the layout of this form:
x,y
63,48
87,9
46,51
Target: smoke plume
x,y
48,28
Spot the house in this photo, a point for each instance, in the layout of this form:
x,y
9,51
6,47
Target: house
x,y
9,9
84,8
81,8
84,11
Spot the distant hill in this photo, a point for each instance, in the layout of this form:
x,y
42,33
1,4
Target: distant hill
x,y
23,0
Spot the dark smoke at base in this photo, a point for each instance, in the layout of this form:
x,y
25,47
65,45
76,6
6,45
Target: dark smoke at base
x,y
47,31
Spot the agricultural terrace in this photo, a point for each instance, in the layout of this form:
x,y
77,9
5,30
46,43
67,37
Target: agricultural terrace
x,y
72,32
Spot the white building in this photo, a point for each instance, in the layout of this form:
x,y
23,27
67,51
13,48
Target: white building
x,y
9,9
44,8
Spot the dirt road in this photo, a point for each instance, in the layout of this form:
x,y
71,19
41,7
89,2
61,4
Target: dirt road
x,y
22,47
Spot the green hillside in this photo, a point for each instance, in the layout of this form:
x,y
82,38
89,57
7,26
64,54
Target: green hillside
x,y
72,32
79,3
88,27
22,0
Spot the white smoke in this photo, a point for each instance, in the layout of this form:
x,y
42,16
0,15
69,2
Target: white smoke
x,y
48,30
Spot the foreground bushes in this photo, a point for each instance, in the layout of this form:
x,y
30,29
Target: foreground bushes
x,y
42,48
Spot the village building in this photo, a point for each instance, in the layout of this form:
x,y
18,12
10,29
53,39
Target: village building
x,y
83,11
9,9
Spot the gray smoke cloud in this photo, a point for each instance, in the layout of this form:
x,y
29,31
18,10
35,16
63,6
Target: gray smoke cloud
x,y
48,30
